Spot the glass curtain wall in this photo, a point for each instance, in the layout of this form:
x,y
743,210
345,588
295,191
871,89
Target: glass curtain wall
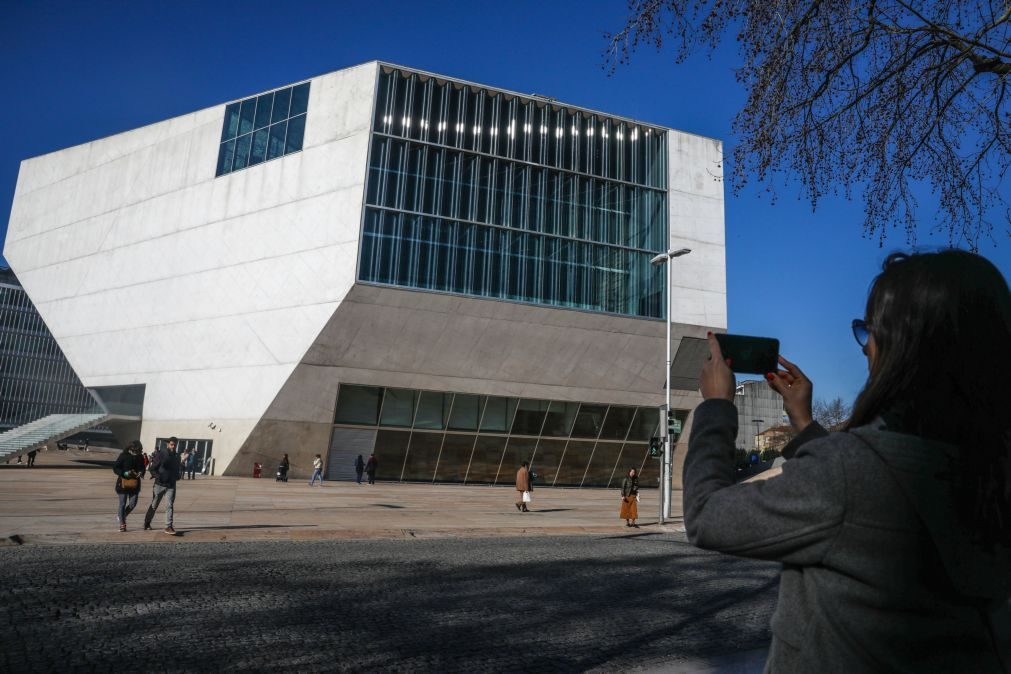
x,y
35,377
483,193
429,436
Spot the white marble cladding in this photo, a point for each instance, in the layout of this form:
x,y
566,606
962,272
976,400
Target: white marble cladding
x,y
695,212
149,269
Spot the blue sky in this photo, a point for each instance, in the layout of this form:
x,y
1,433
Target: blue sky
x,y
76,71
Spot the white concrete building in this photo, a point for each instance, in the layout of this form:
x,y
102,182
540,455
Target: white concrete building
x,y
451,275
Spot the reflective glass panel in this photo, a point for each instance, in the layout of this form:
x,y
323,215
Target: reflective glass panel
x,y
529,417
282,99
433,410
258,129
275,144
646,424
617,423
560,417
422,456
498,414
517,451
589,421
455,457
573,467
231,126
391,450
466,412
602,464
649,470
358,404
299,99
486,458
547,459
263,106
242,144
293,140
398,407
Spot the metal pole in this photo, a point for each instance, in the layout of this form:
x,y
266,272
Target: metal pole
x,y
665,474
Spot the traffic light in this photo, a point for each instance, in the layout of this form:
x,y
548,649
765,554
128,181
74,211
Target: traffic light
x,y
673,424
655,448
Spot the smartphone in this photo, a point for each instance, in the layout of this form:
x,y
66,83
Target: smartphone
x,y
755,355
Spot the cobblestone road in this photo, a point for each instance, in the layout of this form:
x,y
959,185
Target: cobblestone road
x,y
558,604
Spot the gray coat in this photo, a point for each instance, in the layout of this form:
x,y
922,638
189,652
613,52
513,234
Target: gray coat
x,y
877,575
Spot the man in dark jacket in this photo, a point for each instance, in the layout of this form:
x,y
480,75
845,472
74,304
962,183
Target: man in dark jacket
x,y
164,468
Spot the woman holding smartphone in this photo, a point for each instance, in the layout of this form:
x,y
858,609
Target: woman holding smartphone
x,y
894,534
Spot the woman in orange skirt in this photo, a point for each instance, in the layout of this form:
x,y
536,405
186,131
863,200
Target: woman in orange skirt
x,y
630,499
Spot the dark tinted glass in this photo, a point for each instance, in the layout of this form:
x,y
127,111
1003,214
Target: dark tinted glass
x,y
282,99
547,459
293,141
466,412
247,114
242,144
530,417
455,457
263,105
422,456
516,452
358,404
589,421
560,418
498,415
646,424
617,423
486,458
433,410
398,407
258,151
299,99
602,464
275,144
391,450
649,470
573,467
231,125
225,155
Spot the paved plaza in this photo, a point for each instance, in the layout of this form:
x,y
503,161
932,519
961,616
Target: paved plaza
x,y
393,577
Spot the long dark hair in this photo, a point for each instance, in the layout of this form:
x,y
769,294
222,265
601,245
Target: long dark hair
x,y
941,324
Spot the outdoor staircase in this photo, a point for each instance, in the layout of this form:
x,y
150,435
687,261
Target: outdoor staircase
x,y
38,433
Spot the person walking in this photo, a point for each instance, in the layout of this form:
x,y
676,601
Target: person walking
x,y
359,467
317,470
282,469
129,469
191,465
183,461
164,469
630,499
370,468
523,487
894,533
31,457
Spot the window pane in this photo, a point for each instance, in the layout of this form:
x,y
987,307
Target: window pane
x,y
617,423
282,99
259,149
275,144
646,424
391,450
433,410
486,458
225,154
517,451
263,105
246,115
577,456
530,417
547,459
358,404
231,126
498,415
455,457
560,418
466,412
422,457
242,144
296,127
398,407
637,456
299,99
602,464
589,421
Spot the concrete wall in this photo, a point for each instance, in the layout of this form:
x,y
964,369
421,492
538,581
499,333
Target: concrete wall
x,y
756,400
147,268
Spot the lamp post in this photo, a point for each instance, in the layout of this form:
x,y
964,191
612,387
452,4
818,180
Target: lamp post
x,y
668,452
757,422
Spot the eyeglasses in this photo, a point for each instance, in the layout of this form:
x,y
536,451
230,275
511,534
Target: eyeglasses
x,y
861,331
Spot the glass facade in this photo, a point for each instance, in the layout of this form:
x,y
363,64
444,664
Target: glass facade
x,y
35,377
484,193
431,436
262,128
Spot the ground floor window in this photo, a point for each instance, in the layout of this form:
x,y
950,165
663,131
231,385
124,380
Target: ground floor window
x,y
201,450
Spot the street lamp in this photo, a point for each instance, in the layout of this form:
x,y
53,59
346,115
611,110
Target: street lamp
x,y
665,465
758,445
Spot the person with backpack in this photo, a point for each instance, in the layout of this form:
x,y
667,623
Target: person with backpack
x,y
129,469
164,469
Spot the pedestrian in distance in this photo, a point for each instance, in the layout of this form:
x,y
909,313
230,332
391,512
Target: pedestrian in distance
x,y
523,487
183,461
630,499
129,469
370,468
31,457
894,533
282,470
359,468
317,470
190,468
164,469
